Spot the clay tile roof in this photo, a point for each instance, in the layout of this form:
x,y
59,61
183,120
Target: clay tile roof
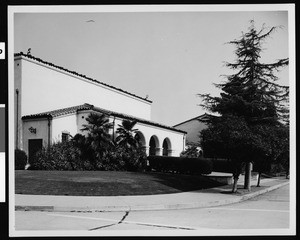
x,y
140,120
58,112
86,106
78,74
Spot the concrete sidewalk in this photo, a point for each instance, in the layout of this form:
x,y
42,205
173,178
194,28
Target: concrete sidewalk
x,y
195,199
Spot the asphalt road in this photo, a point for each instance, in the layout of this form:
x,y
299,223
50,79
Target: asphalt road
x,y
268,212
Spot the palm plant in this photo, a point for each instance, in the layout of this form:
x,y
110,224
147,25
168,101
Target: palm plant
x,y
126,134
98,133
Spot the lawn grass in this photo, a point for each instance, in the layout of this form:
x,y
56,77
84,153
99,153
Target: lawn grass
x,y
106,183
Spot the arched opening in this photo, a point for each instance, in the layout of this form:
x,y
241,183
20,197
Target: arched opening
x,y
166,147
139,136
153,145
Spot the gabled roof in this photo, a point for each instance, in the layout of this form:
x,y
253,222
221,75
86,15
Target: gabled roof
x,y
58,112
86,106
78,74
201,118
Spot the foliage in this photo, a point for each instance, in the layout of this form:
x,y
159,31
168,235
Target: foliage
x,y
126,133
98,133
191,151
252,91
221,165
79,154
87,153
274,147
20,159
230,137
124,159
250,105
181,165
60,156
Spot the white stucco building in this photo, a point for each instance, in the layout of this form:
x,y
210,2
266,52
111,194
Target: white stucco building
x,y
52,102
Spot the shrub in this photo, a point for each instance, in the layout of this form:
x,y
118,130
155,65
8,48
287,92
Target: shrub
x,y
182,165
277,169
87,154
192,151
125,159
20,159
221,165
60,156
77,155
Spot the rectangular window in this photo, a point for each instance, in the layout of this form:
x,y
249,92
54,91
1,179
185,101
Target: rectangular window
x,y
65,137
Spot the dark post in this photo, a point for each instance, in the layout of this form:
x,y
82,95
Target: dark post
x,y
247,182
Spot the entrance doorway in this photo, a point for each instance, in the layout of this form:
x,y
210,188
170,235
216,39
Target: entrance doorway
x,y
34,145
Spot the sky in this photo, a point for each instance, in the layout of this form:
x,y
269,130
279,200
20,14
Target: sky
x,y
169,56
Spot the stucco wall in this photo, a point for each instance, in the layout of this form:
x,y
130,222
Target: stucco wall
x,y
41,126
193,129
46,88
73,124
63,124
176,138
81,119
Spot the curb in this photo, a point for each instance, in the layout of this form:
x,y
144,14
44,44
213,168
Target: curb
x,y
150,207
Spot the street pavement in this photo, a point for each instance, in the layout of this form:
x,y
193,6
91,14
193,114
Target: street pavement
x,y
265,214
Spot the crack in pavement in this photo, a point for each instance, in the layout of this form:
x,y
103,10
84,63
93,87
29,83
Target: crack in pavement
x,y
102,227
164,226
122,219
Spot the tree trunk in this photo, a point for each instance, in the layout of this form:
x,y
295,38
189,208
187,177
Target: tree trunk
x,y
247,182
258,180
235,181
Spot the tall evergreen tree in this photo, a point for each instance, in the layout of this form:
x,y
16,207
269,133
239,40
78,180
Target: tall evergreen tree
x,y
251,95
252,91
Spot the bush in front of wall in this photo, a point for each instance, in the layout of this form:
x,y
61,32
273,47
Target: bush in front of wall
x,y
20,159
60,156
191,151
71,155
121,158
135,159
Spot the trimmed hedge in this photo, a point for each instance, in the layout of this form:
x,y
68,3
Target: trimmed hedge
x,y
221,165
20,159
182,165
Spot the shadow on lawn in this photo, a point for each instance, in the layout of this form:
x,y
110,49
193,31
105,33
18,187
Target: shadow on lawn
x,y
105,183
182,182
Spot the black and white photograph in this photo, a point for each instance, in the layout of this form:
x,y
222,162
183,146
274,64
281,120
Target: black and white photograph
x,y
152,120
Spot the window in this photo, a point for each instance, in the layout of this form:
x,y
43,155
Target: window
x,y
65,137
